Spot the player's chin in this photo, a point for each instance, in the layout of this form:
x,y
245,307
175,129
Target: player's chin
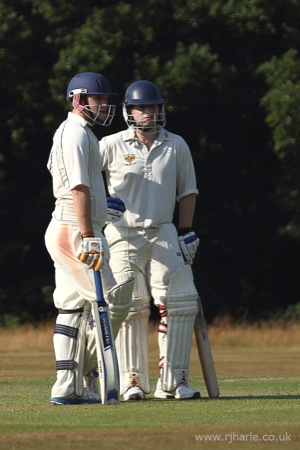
x,y
147,124
102,118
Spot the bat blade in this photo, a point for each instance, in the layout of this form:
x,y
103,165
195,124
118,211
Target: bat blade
x,y
106,353
205,354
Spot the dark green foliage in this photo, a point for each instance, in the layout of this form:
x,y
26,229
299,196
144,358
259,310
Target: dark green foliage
x,y
230,73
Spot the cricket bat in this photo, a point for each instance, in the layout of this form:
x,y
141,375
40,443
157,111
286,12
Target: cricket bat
x,y
106,353
205,355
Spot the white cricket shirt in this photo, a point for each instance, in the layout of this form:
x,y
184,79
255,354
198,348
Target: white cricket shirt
x,y
74,159
149,182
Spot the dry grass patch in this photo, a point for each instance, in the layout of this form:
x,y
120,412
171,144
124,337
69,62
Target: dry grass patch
x,y
239,350
226,332
222,333
26,338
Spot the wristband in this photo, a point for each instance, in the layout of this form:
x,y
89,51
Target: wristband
x,y
85,235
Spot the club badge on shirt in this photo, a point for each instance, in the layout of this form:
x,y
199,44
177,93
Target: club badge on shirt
x,y
130,159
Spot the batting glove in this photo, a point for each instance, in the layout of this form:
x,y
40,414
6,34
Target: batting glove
x,y
115,208
188,243
90,252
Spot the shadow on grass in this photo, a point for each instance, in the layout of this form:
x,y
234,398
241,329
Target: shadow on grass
x,y
222,398
256,397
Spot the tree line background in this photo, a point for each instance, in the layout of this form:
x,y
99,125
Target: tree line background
x,y
230,73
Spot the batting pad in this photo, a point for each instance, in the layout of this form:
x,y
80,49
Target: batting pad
x,y
69,342
181,311
132,341
120,299
132,349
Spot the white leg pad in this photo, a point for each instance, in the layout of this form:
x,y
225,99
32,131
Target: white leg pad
x,y
132,341
175,345
119,299
69,342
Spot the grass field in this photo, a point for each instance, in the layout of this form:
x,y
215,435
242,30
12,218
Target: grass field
x,y
259,407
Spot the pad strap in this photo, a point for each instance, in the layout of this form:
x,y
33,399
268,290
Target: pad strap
x,y
70,311
70,347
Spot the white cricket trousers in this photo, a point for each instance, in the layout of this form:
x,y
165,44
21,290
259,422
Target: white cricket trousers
x,y
74,282
152,252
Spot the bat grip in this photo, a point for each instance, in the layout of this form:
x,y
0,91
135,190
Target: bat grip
x,y
99,287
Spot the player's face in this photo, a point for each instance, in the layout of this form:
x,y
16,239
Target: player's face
x,y
96,101
145,115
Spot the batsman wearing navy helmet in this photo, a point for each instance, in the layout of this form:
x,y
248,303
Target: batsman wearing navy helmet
x,y
149,169
75,241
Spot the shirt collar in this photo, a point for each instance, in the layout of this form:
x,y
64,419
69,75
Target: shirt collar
x,y
129,135
78,119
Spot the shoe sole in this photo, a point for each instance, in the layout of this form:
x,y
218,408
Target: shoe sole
x,y
195,396
163,395
134,397
63,402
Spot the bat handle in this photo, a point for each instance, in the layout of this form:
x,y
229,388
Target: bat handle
x,y
98,285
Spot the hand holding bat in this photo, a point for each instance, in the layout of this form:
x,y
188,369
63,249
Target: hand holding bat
x,y
90,252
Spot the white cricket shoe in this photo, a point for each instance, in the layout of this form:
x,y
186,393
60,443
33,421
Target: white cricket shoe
x,y
183,391
71,399
91,387
134,393
186,392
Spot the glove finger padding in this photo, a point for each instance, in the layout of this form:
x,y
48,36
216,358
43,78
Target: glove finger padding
x,y
98,262
189,243
115,208
90,252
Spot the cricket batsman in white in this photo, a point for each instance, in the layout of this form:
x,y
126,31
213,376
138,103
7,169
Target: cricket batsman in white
x,y
149,169
75,241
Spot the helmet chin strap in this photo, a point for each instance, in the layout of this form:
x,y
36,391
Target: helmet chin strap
x,y
146,130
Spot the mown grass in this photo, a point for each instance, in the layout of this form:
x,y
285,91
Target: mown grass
x,y
258,372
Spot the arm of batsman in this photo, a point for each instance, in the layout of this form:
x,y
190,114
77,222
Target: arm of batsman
x,y
90,252
115,208
189,243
